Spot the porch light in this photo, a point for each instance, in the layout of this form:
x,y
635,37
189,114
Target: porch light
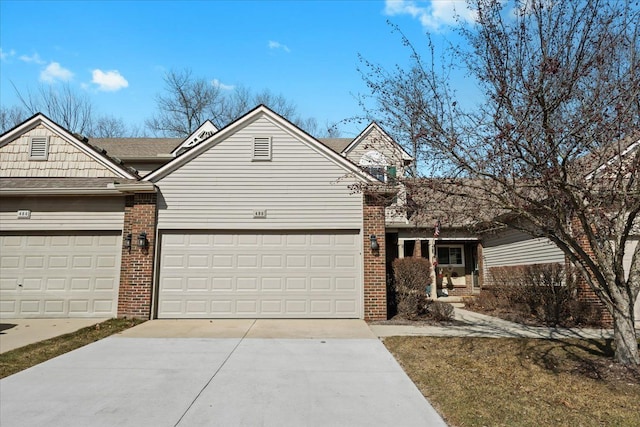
x,y
127,241
374,242
142,240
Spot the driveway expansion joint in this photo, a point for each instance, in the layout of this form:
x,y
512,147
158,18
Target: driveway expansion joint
x,y
214,374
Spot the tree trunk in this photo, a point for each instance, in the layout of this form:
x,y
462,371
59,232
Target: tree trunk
x,y
624,336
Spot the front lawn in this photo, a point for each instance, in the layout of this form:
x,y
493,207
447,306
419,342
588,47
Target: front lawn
x,y
521,382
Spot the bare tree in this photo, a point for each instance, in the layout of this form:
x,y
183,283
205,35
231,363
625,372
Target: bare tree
x,y
108,127
70,109
187,102
11,117
547,148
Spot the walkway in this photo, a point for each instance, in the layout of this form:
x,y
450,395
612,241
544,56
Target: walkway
x,y
480,325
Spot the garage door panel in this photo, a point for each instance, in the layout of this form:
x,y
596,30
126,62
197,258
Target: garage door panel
x,y
56,275
260,275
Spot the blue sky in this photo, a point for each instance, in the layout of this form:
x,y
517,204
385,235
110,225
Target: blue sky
x,y
117,52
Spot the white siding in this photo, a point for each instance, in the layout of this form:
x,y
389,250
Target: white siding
x,y
64,160
516,248
220,189
62,213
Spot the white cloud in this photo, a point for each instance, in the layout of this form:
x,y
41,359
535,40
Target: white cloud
x,y
109,81
5,55
35,58
55,72
434,14
217,83
278,45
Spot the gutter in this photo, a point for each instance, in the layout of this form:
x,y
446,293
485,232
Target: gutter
x,y
58,191
137,187
111,189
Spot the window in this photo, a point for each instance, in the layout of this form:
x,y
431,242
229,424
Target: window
x,y
376,171
262,148
377,165
452,255
39,148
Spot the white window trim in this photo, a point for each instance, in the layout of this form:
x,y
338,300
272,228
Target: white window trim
x,y
261,157
450,246
40,139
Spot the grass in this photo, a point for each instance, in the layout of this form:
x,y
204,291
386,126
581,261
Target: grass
x,y
16,360
521,382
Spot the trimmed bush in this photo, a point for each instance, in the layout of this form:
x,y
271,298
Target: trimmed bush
x,y
441,311
411,278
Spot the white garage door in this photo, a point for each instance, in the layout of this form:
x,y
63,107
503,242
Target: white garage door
x,y
59,275
268,275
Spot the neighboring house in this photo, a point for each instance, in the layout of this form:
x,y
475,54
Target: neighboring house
x,y
509,248
61,221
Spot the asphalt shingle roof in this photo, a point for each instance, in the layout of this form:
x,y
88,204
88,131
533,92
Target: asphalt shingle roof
x,y
134,148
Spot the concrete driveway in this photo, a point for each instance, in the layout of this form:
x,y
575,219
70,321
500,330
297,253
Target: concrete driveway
x,y
221,373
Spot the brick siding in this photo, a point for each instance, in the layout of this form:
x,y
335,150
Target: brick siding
x,y
586,294
136,271
375,271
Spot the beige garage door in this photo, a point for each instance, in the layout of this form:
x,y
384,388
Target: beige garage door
x,y
268,275
66,275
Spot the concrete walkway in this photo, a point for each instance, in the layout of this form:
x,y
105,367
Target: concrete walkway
x,y
16,333
480,325
221,373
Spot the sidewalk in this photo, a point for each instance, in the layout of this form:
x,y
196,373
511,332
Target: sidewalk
x,y
483,326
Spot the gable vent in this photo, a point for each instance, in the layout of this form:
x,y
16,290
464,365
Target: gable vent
x,y
262,148
39,148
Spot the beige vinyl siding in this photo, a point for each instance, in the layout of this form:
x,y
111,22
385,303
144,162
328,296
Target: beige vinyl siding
x,y
63,159
220,189
375,141
62,213
516,248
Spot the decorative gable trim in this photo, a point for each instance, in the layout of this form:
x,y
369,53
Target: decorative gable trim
x,y
260,110
203,132
39,148
68,137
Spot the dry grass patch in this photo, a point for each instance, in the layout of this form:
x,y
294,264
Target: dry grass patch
x,y
521,382
14,361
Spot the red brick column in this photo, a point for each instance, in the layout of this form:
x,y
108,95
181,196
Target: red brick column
x,y
375,270
136,270
585,293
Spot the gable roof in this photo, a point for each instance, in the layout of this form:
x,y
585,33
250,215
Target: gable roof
x,y
374,126
614,152
260,110
137,148
114,165
336,144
